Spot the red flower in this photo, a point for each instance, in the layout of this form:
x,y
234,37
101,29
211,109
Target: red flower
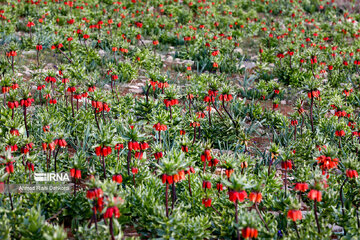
x,y
302,187
219,187
30,24
11,54
144,146
61,142
52,146
105,151
206,99
9,167
114,77
228,172
249,232
340,133
255,197
206,202
78,174
13,148
313,59
158,155
213,162
134,170
286,164
44,146
167,179
206,185
30,166
352,173
139,155
14,132
94,193
90,194
314,195
294,215
190,170
13,105
327,162
117,178
112,211
98,151
15,86
91,89
119,146
26,102
72,172
225,97
185,149
294,122
237,196
207,154
215,53
160,127
133,146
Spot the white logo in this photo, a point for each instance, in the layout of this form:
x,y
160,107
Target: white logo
x,y
51,177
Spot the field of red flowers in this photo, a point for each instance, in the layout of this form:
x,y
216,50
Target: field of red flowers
x,y
180,119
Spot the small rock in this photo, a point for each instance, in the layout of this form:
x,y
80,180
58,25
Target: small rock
x,y
27,71
172,53
238,50
189,62
249,65
217,151
147,42
169,59
102,52
107,87
136,90
143,80
31,52
336,228
283,102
